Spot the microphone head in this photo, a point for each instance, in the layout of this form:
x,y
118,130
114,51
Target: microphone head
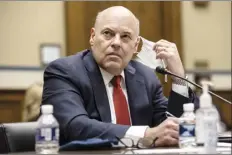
x,y
160,70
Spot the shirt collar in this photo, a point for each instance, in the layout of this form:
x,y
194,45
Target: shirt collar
x,y
107,77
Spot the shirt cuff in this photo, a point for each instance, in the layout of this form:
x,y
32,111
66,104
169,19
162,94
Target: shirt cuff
x,y
135,133
182,90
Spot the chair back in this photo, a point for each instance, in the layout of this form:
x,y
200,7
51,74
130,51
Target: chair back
x,y
17,137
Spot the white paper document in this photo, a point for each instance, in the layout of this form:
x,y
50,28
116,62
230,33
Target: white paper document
x,y
221,150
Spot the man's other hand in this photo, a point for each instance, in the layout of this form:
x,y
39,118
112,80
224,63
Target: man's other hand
x,y
167,133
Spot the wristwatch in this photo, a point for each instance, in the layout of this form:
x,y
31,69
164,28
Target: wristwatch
x,y
181,82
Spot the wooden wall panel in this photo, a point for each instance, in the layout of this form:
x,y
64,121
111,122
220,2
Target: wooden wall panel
x,y
10,105
76,38
80,17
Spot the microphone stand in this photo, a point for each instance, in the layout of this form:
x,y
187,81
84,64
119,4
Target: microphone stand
x,y
165,71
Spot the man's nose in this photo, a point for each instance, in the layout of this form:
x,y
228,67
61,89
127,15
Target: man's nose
x,y
116,42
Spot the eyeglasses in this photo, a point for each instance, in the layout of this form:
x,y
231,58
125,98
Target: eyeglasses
x,y
141,144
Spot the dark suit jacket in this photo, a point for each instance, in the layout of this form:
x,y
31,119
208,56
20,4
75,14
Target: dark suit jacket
x,y
75,87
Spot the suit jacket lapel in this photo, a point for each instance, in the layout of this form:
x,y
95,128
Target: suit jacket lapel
x,y
99,89
137,97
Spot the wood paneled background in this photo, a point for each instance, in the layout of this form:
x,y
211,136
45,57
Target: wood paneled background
x,y
10,105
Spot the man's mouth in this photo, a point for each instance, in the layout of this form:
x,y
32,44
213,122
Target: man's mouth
x,y
114,55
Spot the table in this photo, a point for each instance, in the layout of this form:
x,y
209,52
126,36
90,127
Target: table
x,y
198,150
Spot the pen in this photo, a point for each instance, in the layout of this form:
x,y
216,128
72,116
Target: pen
x,y
165,76
169,114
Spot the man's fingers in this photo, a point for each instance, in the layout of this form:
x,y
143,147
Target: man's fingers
x,y
166,141
161,49
163,40
165,49
162,44
162,55
172,123
174,134
174,119
170,132
165,44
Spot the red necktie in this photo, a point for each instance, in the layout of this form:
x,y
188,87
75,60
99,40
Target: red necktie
x,y
120,103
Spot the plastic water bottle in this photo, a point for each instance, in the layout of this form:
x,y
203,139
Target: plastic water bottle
x,y
207,119
47,132
187,127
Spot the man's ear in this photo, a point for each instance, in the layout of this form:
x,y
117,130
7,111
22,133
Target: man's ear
x,y
137,43
92,36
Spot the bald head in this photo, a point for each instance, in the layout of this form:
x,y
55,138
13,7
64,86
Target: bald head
x,y
117,12
114,38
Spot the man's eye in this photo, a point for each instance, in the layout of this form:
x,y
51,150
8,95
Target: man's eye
x,y
108,33
125,36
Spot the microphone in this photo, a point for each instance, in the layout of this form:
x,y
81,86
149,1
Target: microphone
x,y
164,71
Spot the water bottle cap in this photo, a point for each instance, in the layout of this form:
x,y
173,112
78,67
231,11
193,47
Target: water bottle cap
x,y
47,109
188,107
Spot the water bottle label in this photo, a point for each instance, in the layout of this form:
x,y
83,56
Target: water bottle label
x,y
187,130
47,134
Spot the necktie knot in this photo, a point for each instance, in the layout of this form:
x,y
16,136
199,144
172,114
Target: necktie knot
x,y
116,81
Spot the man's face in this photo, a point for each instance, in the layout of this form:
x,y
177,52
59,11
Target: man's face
x,y
114,41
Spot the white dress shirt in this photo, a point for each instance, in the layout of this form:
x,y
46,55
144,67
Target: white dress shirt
x,y
134,132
